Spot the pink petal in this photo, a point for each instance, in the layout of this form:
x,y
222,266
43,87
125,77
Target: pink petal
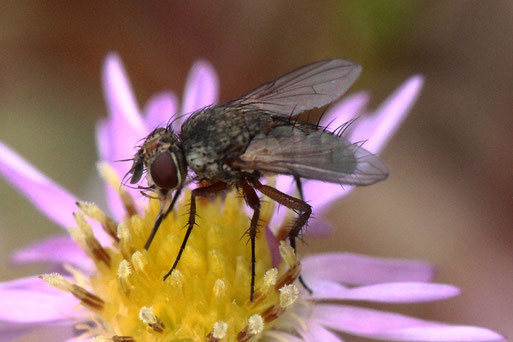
x,y
27,283
345,110
407,292
443,334
25,306
316,225
320,194
57,249
124,128
273,244
56,331
103,143
10,330
278,336
316,332
285,184
47,196
160,109
118,92
379,128
390,326
358,269
201,88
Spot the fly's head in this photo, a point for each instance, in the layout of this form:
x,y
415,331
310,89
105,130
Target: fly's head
x,y
162,158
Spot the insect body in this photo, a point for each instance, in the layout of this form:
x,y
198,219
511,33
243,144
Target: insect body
x,y
233,144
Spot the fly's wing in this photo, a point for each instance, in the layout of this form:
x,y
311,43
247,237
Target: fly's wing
x,y
309,86
318,155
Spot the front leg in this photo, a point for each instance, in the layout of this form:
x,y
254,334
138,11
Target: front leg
x,y
161,216
205,191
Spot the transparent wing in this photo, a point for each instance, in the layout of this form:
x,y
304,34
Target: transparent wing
x,y
310,86
319,155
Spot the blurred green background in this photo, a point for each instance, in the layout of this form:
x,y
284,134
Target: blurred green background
x,y
449,198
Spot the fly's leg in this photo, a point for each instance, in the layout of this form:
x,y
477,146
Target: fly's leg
x,y
254,203
160,217
205,191
291,203
299,187
293,240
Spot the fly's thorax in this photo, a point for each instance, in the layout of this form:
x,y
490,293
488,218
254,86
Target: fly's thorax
x,y
210,137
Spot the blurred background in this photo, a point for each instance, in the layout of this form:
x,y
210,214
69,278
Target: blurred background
x,y
449,197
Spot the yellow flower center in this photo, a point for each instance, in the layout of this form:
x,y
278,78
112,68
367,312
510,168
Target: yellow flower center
x,y
206,298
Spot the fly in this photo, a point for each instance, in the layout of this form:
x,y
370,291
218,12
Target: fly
x,y
235,143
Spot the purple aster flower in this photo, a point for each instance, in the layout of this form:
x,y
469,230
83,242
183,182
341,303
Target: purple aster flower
x,y
111,288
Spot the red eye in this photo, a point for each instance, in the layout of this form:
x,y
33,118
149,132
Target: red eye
x,y
163,171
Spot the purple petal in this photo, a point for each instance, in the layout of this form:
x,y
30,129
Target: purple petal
x,y
103,139
57,331
279,336
201,88
159,109
320,194
345,110
316,225
118,92
27,283
9,331
25,306
316,332
391,326
45,195
124,127
358,269
456,333
57,249
407,292
273,245
382,125
285,184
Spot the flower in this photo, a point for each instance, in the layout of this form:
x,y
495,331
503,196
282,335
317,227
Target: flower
x,y
112,289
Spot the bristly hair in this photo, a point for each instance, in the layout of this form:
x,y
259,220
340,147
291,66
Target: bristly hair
x,y
340,130
175,117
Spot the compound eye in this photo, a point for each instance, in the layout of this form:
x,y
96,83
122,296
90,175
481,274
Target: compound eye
x,y
163,171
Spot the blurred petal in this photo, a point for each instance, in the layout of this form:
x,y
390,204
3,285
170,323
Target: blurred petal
x,y
320,194
201,88
316,332
273,244
57,249
27,283
103,139
319,227
390,326
407,292
25,306
456,333
118,92
45,195
345,110
8,331
358,269
278,336
285,184
378,128
160,109
124,127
